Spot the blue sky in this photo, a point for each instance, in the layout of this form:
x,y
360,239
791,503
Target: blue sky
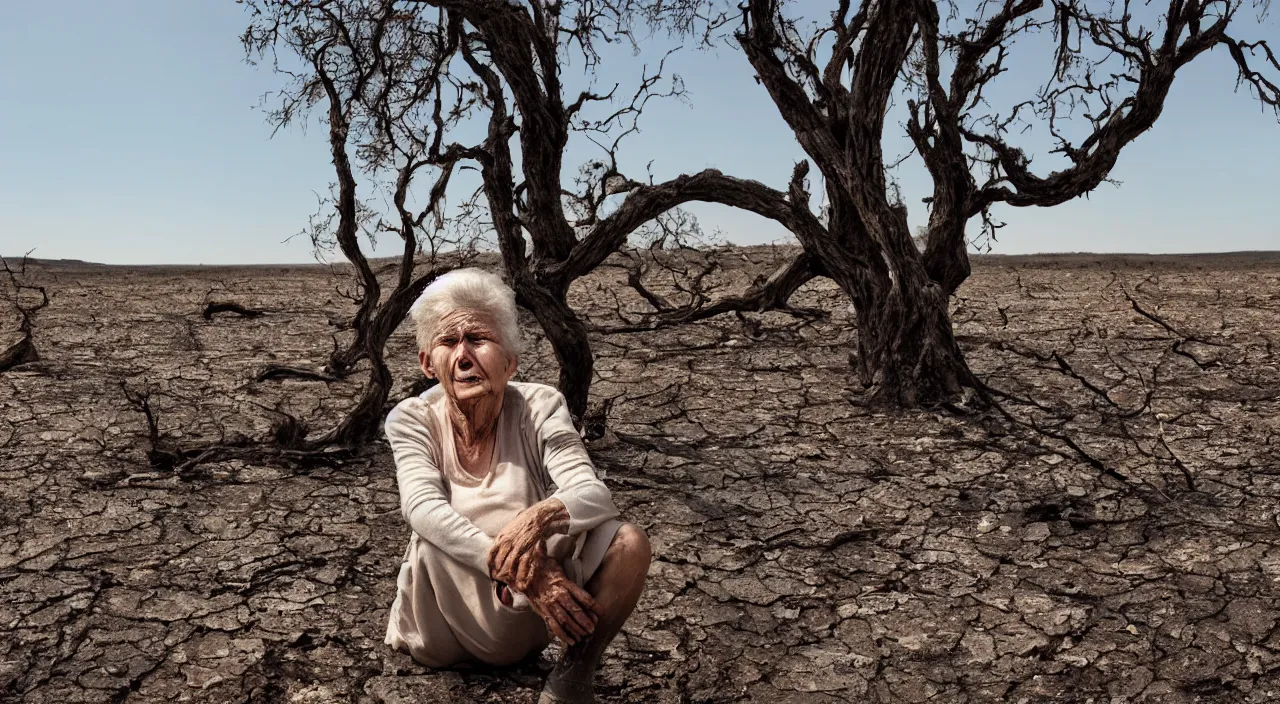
x,y
131,134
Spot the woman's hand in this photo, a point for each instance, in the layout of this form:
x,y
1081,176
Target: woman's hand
x,y
568,610
518,548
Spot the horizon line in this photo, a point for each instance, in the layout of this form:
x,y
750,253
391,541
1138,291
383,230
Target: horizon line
x,y
1266,253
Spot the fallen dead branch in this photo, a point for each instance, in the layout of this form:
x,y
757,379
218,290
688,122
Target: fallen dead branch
x,y
691,282
279,373
214,308
285,444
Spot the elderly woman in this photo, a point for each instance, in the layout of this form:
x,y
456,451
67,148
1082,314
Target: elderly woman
x,y
515,539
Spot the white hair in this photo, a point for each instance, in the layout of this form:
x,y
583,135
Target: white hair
x,y
467,289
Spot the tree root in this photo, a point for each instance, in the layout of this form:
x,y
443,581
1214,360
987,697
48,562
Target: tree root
x,y
1183,337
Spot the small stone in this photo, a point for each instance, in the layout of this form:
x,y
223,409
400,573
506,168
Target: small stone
x,y
782,613
981,647
1036,532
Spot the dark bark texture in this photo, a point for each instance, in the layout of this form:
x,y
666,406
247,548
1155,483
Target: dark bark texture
x,y
836,109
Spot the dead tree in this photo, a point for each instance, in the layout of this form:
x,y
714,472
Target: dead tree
x,y
1112,71
24,350
517,52
377,73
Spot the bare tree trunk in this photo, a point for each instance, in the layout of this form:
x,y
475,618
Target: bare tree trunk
x,y
362,423
907,352
342,361
348,230
568,337
24,350
372,325
364,420
946,257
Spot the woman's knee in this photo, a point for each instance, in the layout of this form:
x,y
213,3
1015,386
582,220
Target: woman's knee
x,y
632,542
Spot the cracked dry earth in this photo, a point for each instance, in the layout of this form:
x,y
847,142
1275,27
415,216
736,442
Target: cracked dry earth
x,y
807,549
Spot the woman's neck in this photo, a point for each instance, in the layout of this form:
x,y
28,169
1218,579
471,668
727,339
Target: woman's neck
x,y
474,423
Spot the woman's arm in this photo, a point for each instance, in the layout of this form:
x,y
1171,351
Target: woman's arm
x,y
583,500
423,500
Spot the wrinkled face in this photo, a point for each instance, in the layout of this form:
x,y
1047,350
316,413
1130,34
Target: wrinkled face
x,y
467,358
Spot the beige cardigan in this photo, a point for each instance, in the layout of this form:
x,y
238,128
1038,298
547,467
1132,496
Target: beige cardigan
x,y
551,449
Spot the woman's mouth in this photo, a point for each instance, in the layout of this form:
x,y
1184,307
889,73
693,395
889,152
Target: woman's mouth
x,y
467,378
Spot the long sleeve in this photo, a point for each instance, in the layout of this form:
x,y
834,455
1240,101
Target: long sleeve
x,y
566,461
423,499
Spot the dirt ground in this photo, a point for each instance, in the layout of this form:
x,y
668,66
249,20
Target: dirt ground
x,y
807,549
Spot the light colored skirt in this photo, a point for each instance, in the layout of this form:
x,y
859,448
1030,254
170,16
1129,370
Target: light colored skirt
x,y
446,612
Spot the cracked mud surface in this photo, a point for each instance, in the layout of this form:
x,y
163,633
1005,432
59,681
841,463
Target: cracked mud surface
x,y
807,549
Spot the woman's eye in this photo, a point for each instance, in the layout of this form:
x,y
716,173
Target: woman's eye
x,y
448,341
